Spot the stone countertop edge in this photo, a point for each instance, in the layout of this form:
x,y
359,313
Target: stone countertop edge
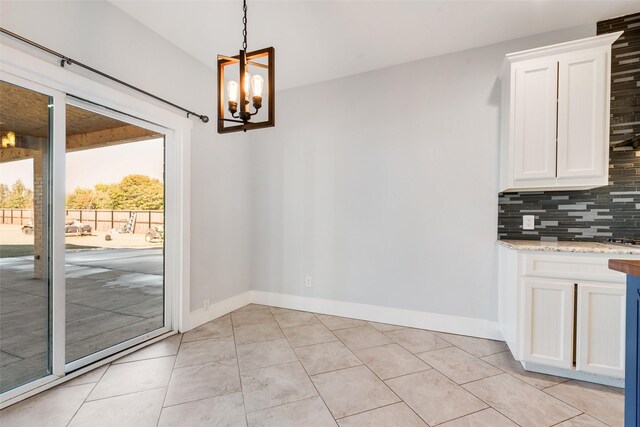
x,y
565,246
625,266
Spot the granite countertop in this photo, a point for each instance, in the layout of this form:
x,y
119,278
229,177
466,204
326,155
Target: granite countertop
x,y
576,247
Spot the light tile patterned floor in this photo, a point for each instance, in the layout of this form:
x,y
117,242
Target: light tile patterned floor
x,y
266,366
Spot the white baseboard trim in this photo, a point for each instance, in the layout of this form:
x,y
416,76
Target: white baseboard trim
x,y
204,315
573,374
416,319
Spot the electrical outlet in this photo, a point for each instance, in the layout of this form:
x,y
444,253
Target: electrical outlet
x,y
307,282
205,303
528,222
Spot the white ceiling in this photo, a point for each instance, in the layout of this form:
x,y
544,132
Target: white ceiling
x,y
321,40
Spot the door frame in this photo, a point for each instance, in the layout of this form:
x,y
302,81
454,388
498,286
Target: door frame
x,y
48,77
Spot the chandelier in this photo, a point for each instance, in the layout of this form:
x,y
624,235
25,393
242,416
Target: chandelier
x,y
244,96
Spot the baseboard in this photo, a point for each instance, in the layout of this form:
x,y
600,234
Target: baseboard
x,y
415,319
573,374
204,315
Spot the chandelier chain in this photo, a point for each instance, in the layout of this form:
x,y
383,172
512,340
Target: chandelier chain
x,y
244,22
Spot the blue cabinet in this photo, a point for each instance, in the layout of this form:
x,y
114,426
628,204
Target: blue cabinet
x,y
632,367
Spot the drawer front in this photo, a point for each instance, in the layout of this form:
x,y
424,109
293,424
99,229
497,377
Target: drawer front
x,y
572,267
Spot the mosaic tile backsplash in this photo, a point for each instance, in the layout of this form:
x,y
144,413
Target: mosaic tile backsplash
x,y
600,213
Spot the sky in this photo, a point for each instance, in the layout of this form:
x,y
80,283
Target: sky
x,y
107,165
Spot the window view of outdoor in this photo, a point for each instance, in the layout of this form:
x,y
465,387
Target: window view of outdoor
x,y
114,232
24,270
113,228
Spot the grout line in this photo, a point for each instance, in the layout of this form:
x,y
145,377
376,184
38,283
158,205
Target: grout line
x,y
235,346
88,394
173,367
309,376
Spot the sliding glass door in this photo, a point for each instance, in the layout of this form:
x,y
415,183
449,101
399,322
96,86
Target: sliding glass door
x,y
25,285
114,232
82,234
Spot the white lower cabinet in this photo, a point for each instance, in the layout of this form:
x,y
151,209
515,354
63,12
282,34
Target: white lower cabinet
x,y
548,322
601,329
569,316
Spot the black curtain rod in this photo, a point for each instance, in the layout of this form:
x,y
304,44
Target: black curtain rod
x,y
66,60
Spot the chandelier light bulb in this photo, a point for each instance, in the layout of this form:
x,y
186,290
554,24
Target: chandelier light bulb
x,y
232,91
257,84
247,86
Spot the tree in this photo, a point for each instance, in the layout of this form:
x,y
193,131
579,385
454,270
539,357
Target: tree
x,y
81,198
20,197
138,192
4,194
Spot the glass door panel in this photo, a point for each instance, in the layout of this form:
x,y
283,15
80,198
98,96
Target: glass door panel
x,y
25,312
114,233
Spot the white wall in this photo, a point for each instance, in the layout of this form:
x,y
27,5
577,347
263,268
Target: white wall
x,y
102,36
383,186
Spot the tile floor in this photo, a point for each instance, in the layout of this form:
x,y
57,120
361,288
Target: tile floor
x,y
267,366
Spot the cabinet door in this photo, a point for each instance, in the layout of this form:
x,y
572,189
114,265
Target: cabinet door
x,y
534,119
548,322
582,114
601,329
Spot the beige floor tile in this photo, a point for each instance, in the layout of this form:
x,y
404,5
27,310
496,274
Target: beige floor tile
x,y
257,333
308,413
334,323
596,400
133,377
390,361
251,317
384,327
507,363
220,411
521,402
308,335
251,307
583,420
353,390
140,409
396,415
277,310
216,329
485,418
166,347
362,337
205,351
275,385
417,340
477,346
295,318
202,381
459,365
266,353
434,397
90,377
51,408
325,357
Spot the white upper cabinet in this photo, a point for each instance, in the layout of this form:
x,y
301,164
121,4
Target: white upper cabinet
x,y
555,116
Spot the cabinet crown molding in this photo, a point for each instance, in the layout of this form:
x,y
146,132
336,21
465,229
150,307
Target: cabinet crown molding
x,y
565,47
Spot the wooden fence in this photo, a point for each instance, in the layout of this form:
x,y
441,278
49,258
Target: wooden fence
x,y
100,220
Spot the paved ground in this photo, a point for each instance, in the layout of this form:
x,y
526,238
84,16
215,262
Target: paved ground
x,y
271,367
112,295
14,243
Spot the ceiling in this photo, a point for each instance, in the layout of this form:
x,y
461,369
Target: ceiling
x,y
319,40
26,113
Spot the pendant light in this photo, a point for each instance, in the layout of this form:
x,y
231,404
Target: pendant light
x,y
240,101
